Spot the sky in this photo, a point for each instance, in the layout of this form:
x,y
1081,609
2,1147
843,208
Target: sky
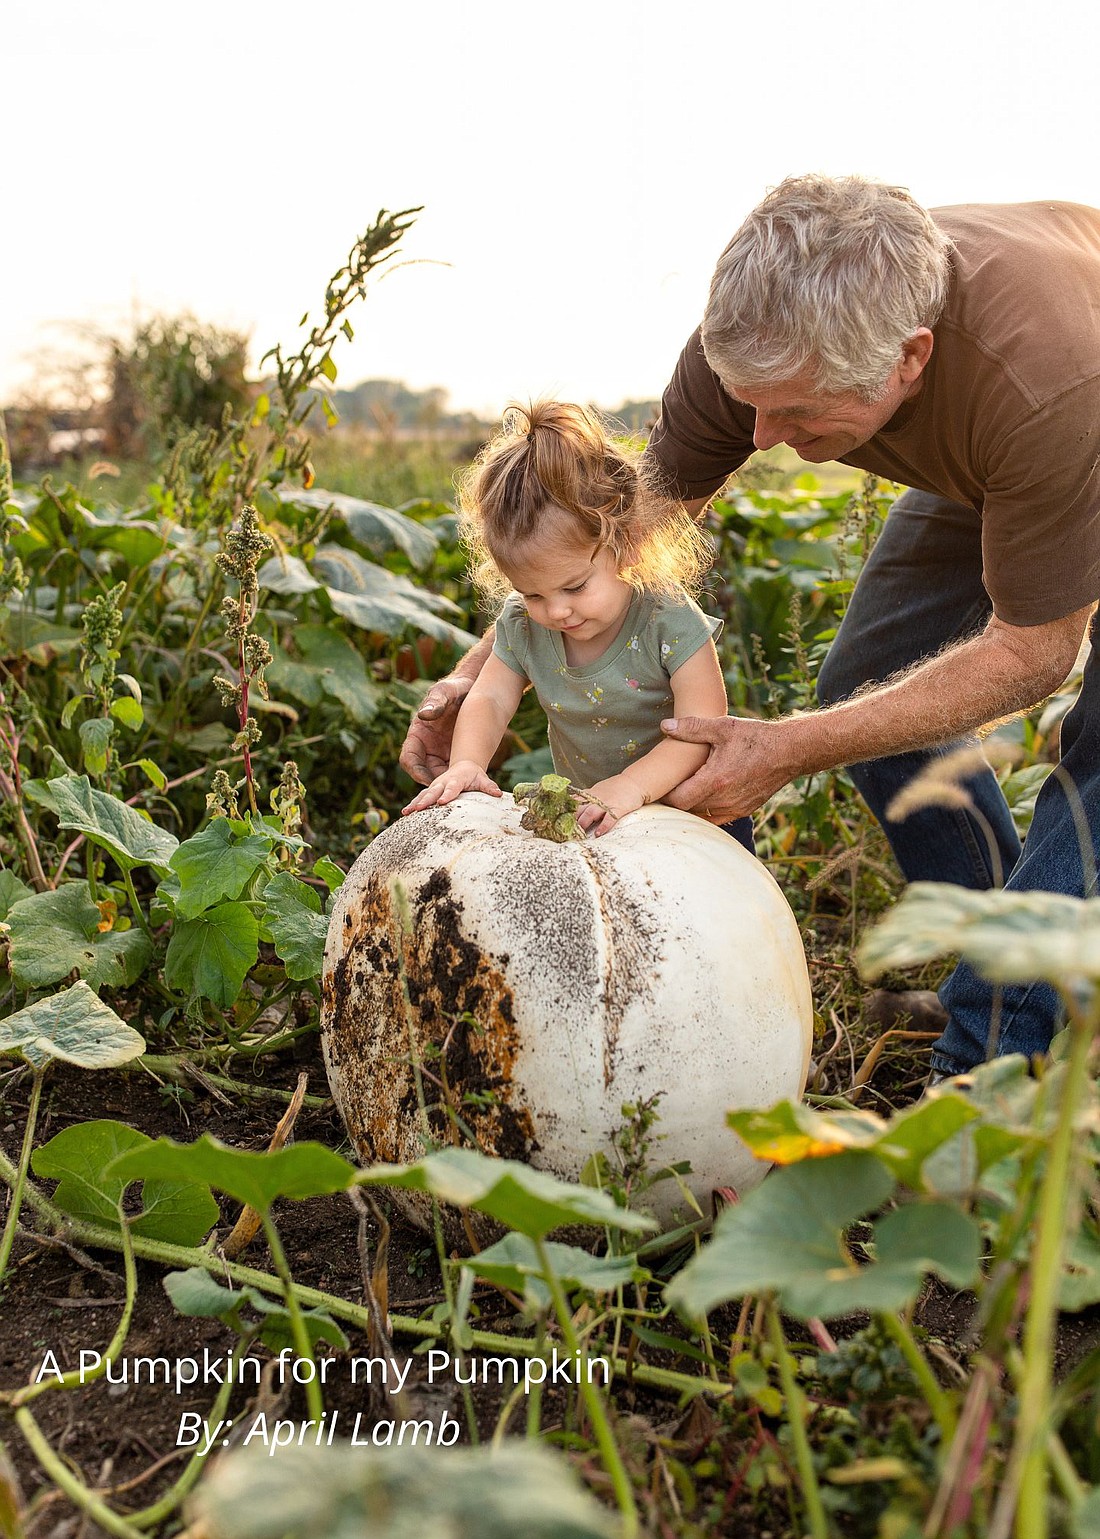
x,y
580,166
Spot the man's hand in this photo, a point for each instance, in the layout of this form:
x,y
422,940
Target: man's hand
x,y
463,776
427,748
620,795
748,762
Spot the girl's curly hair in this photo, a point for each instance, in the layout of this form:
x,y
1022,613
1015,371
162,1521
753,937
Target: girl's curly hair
x,y
554,472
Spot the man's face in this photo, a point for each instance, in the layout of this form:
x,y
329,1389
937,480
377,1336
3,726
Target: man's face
x,y
816,424
823,425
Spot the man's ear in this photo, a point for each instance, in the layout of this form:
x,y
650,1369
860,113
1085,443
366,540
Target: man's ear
x,y
915,353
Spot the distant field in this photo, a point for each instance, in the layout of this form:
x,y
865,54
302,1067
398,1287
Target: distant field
x,y
394,469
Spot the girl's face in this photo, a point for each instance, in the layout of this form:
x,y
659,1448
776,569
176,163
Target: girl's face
x,y
571,588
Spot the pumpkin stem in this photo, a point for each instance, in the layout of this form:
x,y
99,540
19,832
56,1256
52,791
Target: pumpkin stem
x,y
551,808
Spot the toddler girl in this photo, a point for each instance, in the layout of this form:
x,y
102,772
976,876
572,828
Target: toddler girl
x,y
594,568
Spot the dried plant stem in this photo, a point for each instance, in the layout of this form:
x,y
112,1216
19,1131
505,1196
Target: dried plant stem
x,y
8,1238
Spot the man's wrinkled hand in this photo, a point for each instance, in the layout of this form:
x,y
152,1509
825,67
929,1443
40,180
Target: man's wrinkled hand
x,y
426,752
748,762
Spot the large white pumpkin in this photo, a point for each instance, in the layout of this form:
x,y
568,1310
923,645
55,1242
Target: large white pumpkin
x,y
551,983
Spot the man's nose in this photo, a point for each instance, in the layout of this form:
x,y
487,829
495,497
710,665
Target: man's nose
x,y
769,430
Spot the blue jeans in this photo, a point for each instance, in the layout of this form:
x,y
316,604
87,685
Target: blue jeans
x,y
920,591
741,830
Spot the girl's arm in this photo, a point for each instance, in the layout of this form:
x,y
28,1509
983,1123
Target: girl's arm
x,y
482,721
656,773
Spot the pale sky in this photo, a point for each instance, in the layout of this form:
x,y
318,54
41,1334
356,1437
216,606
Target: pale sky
x,y
581,164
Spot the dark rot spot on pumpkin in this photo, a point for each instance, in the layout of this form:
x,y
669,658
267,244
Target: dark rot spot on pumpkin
x,y
462,1021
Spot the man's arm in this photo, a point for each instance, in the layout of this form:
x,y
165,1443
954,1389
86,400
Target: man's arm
x,y
1005,669
426,752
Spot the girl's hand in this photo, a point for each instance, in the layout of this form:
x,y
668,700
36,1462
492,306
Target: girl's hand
x,y
621,795
463,776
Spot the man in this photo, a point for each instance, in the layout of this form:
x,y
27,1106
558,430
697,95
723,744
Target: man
x,y
958,353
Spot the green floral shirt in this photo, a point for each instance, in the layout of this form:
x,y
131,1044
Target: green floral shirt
x,y
607,712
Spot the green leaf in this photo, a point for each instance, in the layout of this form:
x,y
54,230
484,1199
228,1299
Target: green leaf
x,y
928,1237
1085,1518
124,708
30,636
195,1293
340,670
513,1262
286,574
177,1212
792,1131
74,1026
302,1170
519,1491
1008,937
379,530
153,773
329,872
95,743
56,933
286,676
787,1236
379,600
12,889
298,928
137,545
71,708
213,865
527,1200
108,822
211,954
1080,1286
328,367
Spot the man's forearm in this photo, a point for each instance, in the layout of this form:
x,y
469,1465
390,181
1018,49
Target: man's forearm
x,y
469,666
979,681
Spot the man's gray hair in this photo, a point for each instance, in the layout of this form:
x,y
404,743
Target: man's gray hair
x,y
829,275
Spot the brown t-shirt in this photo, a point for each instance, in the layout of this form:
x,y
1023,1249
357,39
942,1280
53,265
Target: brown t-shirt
x,y
1007,419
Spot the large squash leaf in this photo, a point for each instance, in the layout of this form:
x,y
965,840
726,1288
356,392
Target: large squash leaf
x,y
523,1199
56,933
211,954
521,1491
177,1212
110,823
300,1171
379,530
1008,937
74,1026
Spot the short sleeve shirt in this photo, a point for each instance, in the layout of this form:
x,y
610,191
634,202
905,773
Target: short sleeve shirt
x,y
605,714
1007,419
